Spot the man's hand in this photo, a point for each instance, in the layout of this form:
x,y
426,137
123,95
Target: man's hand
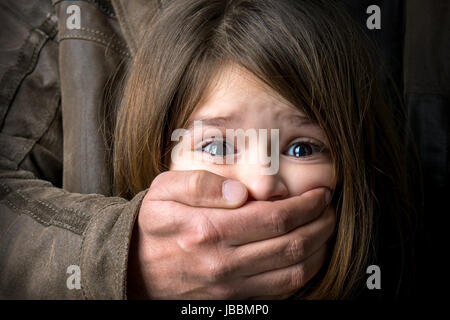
x,y
196,239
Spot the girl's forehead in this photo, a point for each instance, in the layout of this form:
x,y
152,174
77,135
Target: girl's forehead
x,y
238,92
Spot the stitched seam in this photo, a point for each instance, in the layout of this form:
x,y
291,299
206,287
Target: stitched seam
x,y
50,222
101,41
106,37
49,26
71,210
13,206
85,290
76,212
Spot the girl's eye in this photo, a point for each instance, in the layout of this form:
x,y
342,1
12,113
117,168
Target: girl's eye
x,y
303,149
218,148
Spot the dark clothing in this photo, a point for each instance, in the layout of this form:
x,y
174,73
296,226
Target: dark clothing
x,y
427,94
56,208
52,82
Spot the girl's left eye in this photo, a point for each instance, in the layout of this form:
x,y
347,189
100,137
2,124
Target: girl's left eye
x,y
303,149
218,148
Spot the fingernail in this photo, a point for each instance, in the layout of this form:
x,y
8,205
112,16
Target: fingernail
x,y
233,191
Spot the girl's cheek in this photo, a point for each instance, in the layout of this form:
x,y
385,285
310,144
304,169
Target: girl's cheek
x,y
300,178
187,161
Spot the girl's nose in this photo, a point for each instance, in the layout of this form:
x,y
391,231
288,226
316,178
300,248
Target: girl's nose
x,y
264,187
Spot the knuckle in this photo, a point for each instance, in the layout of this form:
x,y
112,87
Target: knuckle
x,y
157,185
295,250
297,277
225,292
160,177
147,214
217,270
200,233
195,183
278,220
206,232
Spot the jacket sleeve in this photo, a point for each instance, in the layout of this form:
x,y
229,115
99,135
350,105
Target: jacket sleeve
x,y
48,234
45,230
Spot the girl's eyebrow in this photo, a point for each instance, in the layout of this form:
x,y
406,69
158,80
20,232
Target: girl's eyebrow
x,y
298,120
213,122
224,122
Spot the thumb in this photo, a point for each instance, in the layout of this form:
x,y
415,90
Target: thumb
x,y
198,188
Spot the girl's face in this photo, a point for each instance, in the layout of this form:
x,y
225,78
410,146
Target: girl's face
x,y
240,101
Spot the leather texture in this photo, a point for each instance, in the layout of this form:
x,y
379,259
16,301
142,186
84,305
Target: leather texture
x,y
56,203
54,170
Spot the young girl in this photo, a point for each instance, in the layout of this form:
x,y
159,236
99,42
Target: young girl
x,y
299,67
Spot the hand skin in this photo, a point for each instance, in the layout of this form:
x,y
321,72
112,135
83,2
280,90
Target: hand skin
x,y
190,243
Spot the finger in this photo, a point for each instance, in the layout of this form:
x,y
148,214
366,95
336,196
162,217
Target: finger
x,y
286,250
260,220
198,188
286,280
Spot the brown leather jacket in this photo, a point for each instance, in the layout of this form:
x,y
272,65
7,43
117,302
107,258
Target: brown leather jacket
x,y
56,208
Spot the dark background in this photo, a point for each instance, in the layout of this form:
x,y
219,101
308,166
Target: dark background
x,y
414,45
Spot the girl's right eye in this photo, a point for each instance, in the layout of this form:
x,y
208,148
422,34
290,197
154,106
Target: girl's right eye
x,y
218,148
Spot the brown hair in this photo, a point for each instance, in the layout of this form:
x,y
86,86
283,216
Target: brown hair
x,y
312,55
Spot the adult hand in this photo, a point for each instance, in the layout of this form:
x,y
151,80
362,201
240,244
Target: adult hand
x,y
196,237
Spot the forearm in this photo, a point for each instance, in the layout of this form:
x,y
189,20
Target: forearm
x,y
45,230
